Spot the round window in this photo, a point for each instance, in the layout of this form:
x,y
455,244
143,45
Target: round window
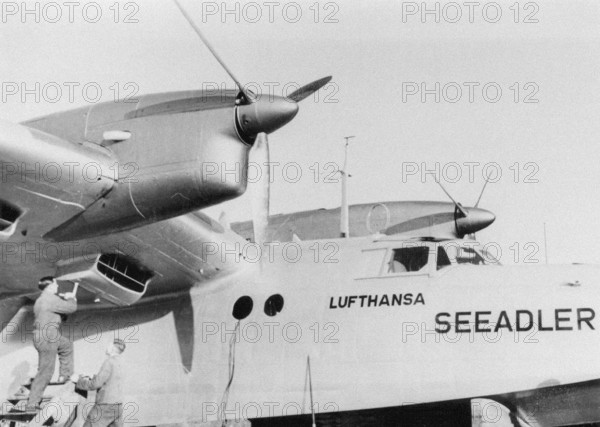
x,y
273,305
242,307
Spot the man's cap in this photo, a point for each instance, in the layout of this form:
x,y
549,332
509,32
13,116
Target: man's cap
x,y
45,281
120,344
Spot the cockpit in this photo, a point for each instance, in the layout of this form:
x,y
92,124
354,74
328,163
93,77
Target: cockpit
x,y
414,257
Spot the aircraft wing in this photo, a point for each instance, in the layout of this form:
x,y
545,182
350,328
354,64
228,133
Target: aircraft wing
x,y
163,258
176,254
48,181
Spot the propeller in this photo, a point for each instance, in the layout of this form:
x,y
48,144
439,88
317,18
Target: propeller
x,y
212,50
255,117
471,220
307,90
458,206
260,189
487,179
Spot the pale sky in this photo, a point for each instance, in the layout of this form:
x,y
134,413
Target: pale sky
x,y
376,54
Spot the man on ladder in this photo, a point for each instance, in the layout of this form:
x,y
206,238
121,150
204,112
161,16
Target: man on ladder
x,y
50,310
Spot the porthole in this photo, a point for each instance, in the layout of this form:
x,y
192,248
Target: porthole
x,y
273,305
242,307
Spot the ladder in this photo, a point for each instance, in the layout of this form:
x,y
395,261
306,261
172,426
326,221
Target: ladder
x,y
59,407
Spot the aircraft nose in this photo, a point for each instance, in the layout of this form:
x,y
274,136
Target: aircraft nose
x,y
477,219
266,114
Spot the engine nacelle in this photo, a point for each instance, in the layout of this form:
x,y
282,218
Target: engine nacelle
x,y
176,153
112,277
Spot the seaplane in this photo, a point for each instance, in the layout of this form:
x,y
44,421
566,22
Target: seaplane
x,y
403,321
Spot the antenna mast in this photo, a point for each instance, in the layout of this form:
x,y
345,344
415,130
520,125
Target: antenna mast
x,y
344,215
545,244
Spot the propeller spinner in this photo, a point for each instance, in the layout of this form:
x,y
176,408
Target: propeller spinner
x,y
470,220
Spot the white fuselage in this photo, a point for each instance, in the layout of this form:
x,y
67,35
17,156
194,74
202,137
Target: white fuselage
x,y
374,338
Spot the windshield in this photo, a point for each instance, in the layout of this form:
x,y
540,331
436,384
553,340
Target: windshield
x,y
470,254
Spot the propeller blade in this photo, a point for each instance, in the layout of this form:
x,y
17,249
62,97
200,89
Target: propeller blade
x,y
458,205
224,221
487,179
260,192
212,50
309,89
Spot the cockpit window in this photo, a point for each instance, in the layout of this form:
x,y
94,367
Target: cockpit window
x,y
406,260
373,260
469,256
489,257
464,255
442,258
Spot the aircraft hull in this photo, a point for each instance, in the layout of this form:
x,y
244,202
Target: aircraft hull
x,y
364,355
